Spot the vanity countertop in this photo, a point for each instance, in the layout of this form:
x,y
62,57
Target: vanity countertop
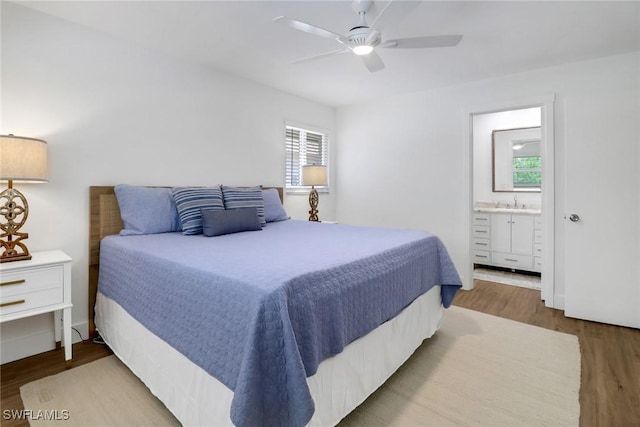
x,y
504,207
508,210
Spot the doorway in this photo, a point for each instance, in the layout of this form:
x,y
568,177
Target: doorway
x,y
513,202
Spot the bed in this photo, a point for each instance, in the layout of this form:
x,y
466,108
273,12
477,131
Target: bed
x,y
295,324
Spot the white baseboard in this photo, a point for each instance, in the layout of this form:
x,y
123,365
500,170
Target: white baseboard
x,y
29,345
558,302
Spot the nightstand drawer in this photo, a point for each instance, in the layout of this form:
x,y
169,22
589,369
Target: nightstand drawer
x,y
26,281
35,286
30,300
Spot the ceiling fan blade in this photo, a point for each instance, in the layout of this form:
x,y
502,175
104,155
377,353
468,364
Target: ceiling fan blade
x,y
423,42
372,38
373,62
311,29
322,55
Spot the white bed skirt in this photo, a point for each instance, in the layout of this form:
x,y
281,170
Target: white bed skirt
x,y
341,383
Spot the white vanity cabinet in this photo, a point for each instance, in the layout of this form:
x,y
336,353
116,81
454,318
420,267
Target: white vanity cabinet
x,y
537,243
512,234
508,240
481,238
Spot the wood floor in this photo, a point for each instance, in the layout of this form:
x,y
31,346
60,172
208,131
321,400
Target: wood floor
x,y
15,374
609,393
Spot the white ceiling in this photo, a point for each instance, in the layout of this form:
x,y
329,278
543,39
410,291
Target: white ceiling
x,y
239,37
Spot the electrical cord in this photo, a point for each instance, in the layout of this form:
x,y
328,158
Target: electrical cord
x,y
96,340
80,335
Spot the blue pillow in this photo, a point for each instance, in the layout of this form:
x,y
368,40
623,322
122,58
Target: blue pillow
x,y
273,209
146,210
191,200
244,197
217,223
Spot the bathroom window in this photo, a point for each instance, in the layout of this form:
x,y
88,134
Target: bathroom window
x,y
527,172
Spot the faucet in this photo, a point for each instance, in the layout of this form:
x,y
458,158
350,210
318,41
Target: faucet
x,y
515,202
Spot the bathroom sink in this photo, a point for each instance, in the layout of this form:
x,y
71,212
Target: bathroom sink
x,y
507,210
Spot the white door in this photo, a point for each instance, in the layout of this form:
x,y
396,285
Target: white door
x,y
602,277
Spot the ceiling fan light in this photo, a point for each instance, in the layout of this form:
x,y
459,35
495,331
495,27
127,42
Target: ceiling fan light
x,y
363,49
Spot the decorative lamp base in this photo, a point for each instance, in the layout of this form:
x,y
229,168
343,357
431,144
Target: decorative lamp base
x,y
14,210
313,203
14,257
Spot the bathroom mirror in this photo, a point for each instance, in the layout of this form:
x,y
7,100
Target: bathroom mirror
x,y
517,161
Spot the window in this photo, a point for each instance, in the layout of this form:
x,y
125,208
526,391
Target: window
x,y
527,172
304,147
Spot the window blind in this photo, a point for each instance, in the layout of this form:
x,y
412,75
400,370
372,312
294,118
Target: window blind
x,y
303,147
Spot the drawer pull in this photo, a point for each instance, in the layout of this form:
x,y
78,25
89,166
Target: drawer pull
x,y
481,256
481,244
480,231
13,282
5,304
481,219
511,259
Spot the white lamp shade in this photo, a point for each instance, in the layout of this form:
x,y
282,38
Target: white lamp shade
x,y
314,175
23,159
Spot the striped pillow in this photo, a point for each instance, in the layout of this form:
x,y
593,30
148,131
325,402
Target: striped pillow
x,y
191,200
244,197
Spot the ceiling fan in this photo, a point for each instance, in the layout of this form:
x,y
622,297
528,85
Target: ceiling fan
x,y
364,39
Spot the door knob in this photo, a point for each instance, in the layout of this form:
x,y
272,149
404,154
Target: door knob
x,y
574,217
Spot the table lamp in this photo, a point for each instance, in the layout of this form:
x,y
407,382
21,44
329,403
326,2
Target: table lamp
x,y
314,175
22,160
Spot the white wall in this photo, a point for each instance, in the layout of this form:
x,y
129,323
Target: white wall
x,y
405,161
483,126
114,112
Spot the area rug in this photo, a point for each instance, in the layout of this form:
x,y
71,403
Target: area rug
x,y
478,370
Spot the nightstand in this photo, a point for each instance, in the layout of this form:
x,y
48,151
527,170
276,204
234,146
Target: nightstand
x,y
36,286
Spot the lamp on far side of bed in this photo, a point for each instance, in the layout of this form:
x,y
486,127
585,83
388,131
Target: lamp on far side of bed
x,y
23,160
314,175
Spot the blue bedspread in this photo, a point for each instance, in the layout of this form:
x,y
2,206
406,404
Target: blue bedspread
x,y
260,310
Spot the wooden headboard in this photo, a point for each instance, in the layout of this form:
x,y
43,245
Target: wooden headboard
x,y
105,220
